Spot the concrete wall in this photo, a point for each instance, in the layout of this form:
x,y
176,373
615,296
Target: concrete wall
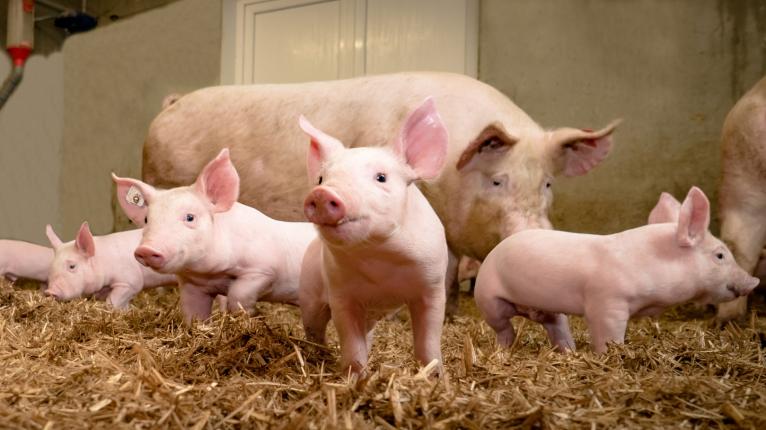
x,y
671,69
114,81
30,150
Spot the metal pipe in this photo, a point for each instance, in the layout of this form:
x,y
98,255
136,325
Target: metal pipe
x,y
10,84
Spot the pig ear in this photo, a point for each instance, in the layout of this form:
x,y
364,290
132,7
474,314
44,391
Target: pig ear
x,y
693,219
134,197
666,210
490,143
321,146
582,150
219,182
84,241
423,141
52,237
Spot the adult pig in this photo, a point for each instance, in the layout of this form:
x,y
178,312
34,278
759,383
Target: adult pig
x,y
215,245
742,193
24,260
608,279
382,246
102,266
499,167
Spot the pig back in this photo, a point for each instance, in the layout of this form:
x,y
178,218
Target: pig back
x,y
259,123
743,139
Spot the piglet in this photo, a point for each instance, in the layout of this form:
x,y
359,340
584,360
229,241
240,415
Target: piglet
x,y
23,260
382,245
215,245
102,266
544,274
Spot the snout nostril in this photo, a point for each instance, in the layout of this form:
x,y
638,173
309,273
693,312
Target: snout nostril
x,y
333,203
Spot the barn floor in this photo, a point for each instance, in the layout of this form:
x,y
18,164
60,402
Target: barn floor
x,y
64,365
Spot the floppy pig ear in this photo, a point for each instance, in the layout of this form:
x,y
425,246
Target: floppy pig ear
x,y
693,218
321,146
52,237
491,142
582,150
219,182
84,241
423,141
666,210
134,197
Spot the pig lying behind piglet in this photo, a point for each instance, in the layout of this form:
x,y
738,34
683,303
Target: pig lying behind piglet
x,y
545,274
215,245
102,266
381,244
24,260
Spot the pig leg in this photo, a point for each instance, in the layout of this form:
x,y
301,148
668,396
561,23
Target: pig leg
x,y
557,326
606,324
497,313
121,295
245,292
315,316
452,285
351,324
195,303
744,232
427,320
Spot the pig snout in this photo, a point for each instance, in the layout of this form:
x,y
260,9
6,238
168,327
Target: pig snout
x,y
324,207
744,286
53,291
150,257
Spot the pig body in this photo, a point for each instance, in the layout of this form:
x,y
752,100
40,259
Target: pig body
x,y
101,266
381,244
499,164
215,245
608,279
24,260
742,193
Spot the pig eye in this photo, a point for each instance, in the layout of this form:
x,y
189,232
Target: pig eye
x,y
189,218
547,185
72,266
719,256
320,181
146,220
380,177
496,183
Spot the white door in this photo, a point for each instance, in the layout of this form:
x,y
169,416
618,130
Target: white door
x,y
280,41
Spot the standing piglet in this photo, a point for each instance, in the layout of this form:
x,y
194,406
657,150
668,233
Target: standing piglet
x,y
24,260
382,245
545,274
215,245
111,273
742,194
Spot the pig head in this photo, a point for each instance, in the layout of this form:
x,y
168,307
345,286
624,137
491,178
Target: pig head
x,y
506,181
73,272
178,223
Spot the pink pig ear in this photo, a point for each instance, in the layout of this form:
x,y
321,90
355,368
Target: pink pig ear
x,y
134,197
84,241
666,210
582,150
320,148
693,219
219,182
423,141
52,237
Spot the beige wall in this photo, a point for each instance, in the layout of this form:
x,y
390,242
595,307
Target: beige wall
x,y
671,69
30,150
114,81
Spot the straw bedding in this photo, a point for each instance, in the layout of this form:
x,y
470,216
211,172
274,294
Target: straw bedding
x,y
80,364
